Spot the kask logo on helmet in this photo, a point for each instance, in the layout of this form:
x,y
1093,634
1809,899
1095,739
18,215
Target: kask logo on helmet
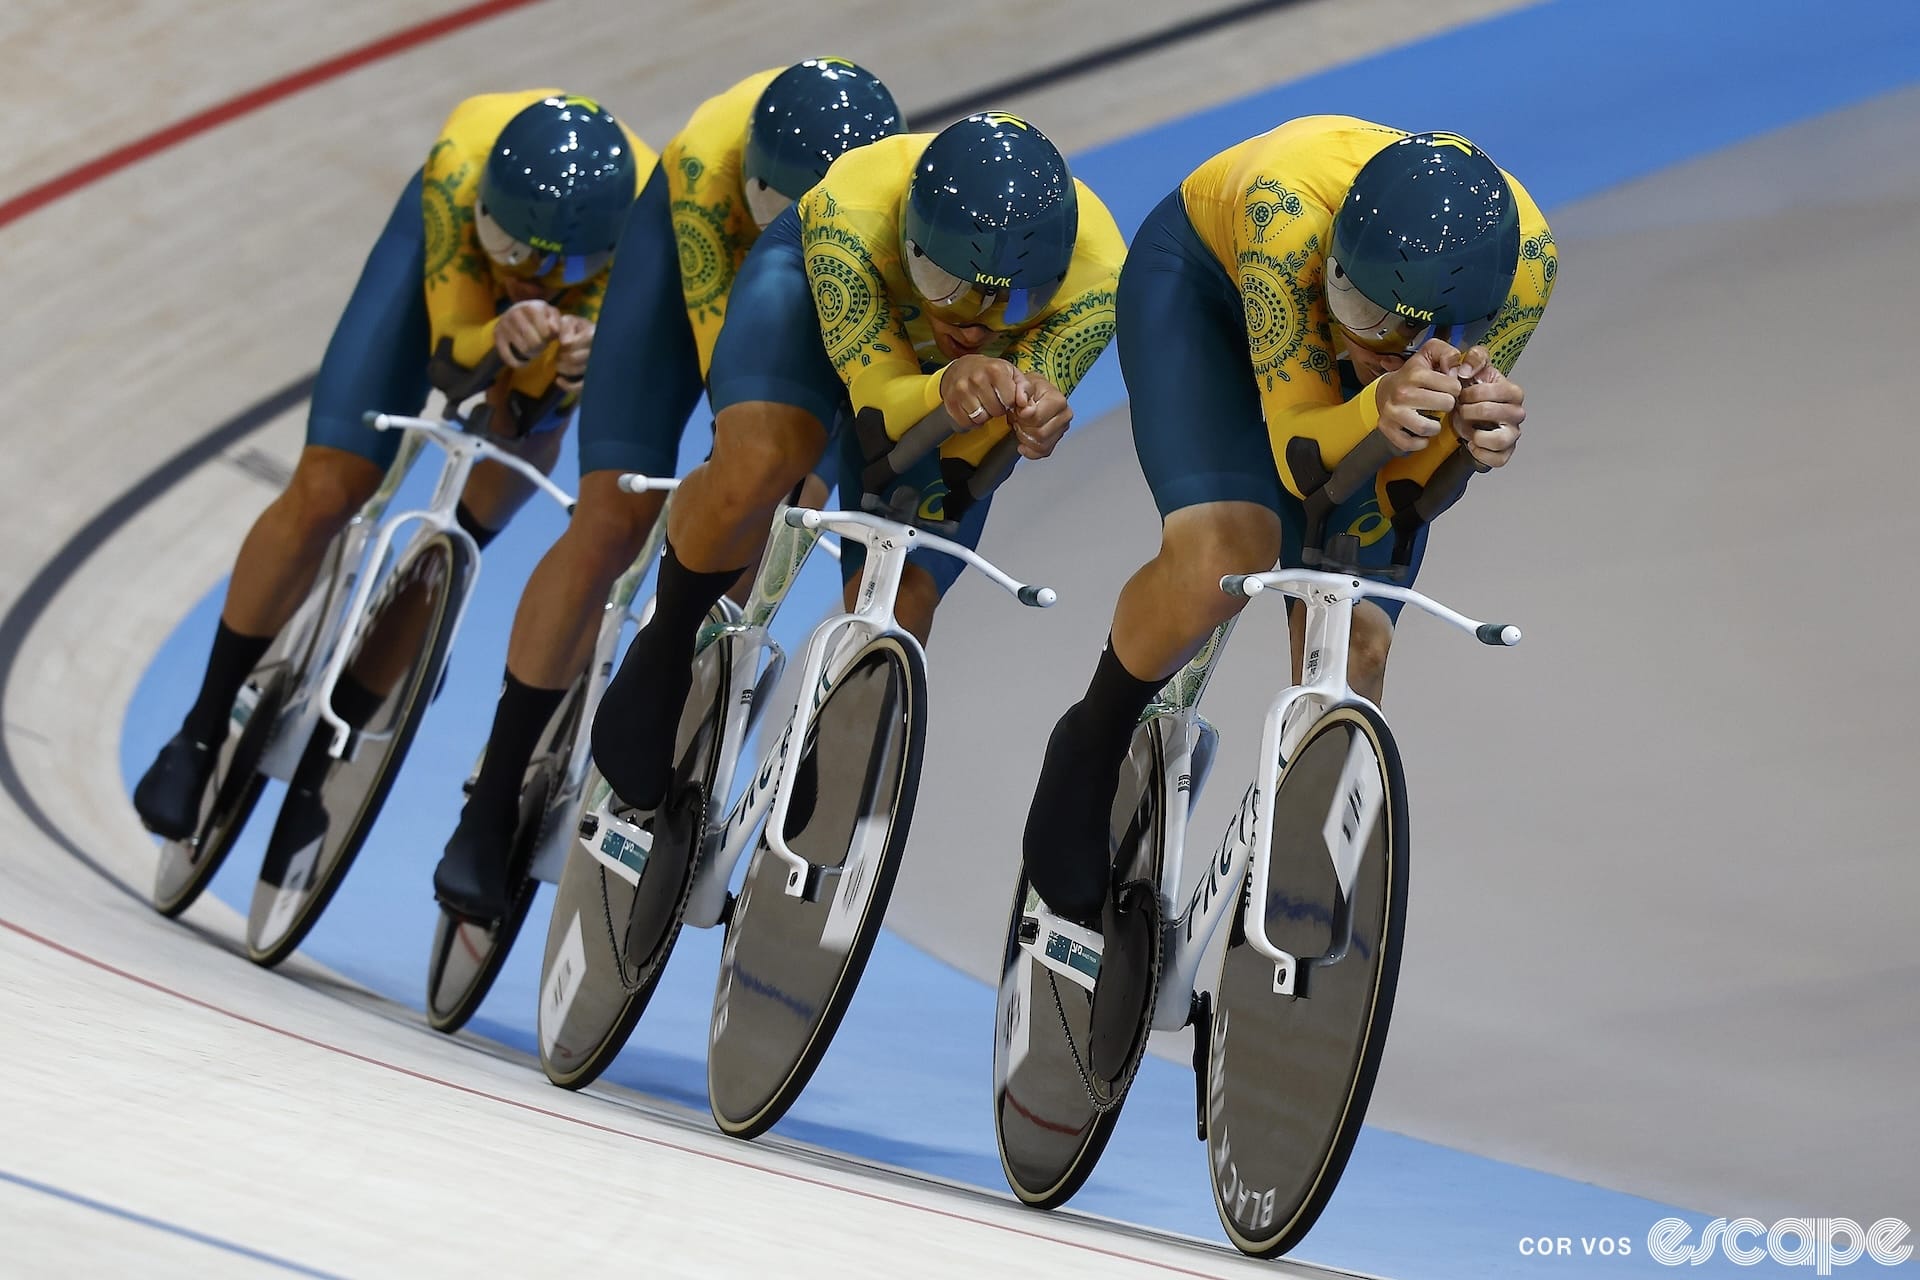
x,y
1003,118
1441,138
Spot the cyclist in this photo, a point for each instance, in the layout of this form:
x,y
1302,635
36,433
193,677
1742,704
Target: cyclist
x,y
966,273
1377,280
498,246
743,157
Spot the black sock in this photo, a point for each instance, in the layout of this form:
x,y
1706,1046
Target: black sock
x,y
233,659
480,534
1065,845
1105,717
518,719
633,731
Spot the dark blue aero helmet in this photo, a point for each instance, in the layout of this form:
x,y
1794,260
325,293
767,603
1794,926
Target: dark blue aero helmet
x,y
1426,242
990,221
556,190
807,117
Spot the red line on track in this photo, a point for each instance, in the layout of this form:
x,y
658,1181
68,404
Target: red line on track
x,y
579,1121
253,100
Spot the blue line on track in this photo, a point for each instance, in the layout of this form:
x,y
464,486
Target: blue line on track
x,y
174,1229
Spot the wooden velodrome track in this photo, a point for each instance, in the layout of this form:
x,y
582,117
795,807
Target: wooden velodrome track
x,y
154,1076
1717,954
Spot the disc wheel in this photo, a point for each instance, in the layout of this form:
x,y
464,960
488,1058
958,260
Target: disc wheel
x,y
1052,1113
608,940
1289,1076
295,885
791,964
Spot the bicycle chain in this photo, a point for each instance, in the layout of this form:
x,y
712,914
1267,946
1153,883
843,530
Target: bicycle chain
x,y
632,986
628,985
1099,1108
1120,1087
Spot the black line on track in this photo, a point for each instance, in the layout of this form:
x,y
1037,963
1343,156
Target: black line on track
x,y
1094,60
26,611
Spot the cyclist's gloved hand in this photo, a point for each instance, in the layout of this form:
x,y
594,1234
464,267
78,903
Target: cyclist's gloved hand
x,y
524,330
1413,397
576,344
977,389
1040,415
1490,409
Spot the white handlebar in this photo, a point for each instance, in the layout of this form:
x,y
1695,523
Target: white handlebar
x,y
450,438
841,521
1249,585
634,482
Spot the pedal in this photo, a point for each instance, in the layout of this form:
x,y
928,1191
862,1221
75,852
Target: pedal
x,y
1200,1018
1066,948
620,846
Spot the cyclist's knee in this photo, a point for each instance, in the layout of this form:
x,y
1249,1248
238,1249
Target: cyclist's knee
x,y
327,488
761,452
609,527
1201,545
1367,649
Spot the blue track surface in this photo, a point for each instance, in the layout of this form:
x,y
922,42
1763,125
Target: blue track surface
x,y
1575,97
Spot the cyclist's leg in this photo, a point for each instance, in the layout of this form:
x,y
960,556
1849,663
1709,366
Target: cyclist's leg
x,y
376,357
774,393
1199,436
643,383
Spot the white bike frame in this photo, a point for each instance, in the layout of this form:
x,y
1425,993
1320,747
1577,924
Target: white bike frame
x,y
833,643
341,632
1244,849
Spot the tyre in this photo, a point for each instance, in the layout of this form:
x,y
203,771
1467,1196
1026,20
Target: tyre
x,y
791,964
1289,1076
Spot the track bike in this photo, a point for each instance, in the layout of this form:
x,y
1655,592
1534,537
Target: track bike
x,y
1309,882
825,810
409,602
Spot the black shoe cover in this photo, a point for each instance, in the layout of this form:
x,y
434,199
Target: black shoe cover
x,y
168,795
